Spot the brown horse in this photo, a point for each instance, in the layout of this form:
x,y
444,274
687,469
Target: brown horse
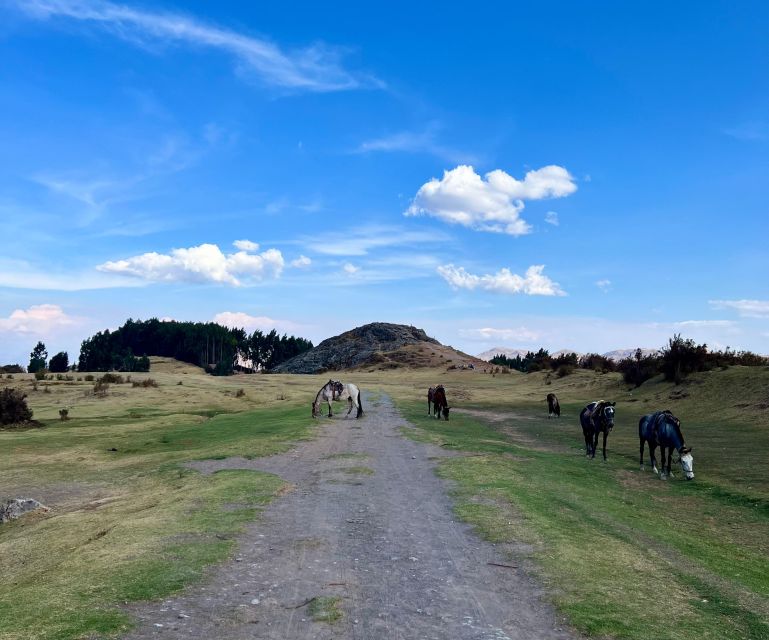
x,y
553,408
440,404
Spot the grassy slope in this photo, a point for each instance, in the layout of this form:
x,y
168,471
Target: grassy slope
x,y
134,523
625,554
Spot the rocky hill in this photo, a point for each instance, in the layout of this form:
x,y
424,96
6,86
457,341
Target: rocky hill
x,y
379,345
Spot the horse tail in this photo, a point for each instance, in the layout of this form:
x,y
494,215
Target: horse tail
x,y
360,406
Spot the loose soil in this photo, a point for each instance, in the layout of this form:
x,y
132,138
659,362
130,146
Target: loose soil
x,y
384,547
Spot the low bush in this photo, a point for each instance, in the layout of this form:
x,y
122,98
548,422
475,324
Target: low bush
x,y
89,378
240,393
100,388
40,375
13,407
147,382
112,378
63,415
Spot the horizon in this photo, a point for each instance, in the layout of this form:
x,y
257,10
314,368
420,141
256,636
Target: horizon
x,y
596,178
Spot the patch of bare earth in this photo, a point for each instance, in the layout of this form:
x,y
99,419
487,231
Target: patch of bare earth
x,y
383,546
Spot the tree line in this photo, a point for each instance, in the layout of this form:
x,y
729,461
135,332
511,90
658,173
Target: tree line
x,y
675,361
219,350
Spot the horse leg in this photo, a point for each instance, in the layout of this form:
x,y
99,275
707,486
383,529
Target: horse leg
x,y
605,435
652,448
330,414
587,441
662,463
643,442
593,445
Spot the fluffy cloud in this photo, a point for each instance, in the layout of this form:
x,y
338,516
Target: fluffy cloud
x,y
240,320
350,268
534,283
245,245
301,262
38,319
746,308
204,263
494,204
517,334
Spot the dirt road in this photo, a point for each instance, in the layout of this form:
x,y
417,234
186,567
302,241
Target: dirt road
x,y
369,526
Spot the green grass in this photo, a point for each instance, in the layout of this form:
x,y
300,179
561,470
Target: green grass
x,y
325,609
131,524
624,554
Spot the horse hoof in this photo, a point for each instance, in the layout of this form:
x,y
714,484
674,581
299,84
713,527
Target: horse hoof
x,y
642,467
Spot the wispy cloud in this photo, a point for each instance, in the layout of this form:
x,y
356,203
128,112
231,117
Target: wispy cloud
x,y
551,217
361,241
425,141
495,203
515,334
604,285
315,68
205,263
746,308
533,283
20,274
754,131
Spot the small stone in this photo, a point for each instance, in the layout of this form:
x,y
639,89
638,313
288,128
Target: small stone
x,y
255,601
182,616
157,624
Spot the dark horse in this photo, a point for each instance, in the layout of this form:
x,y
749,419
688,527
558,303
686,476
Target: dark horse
x,y
597,417
663,429
440,404
553,408
430,394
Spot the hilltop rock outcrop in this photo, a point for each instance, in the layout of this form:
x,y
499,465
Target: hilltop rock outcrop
x,y
360,346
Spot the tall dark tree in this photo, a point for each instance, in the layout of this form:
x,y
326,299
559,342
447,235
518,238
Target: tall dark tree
x,y
59,363
38,358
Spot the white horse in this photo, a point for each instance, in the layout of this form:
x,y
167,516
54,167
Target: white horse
x,y
335,390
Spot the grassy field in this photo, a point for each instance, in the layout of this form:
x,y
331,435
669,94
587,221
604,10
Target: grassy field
x,y
128,520
624,554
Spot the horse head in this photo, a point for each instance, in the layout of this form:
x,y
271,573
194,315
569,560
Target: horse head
x,y
607,415
687,462
446,412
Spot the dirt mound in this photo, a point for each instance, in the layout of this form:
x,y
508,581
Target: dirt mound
x,y
379,345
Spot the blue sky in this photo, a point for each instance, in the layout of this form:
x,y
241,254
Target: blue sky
x,y
583,175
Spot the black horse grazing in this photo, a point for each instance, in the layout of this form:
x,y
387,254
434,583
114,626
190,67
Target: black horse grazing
x,y
440,404
553,408
663,429
597,417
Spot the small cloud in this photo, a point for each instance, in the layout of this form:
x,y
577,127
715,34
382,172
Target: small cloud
x,y
703,323
551,217
517,334
414,142
534,283
240,320
202,264
755,131
746,308
38,319
350,268
301,262
493,204
604,285
245,245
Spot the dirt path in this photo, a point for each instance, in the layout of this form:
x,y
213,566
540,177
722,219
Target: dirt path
x,y
385,543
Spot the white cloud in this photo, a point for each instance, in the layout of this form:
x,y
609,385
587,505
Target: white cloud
x,y
301,262
703,323
414,142
245,245
315,68
494,204
504,281
517,334
240,320
551,217
604,285
359,242
350,268
746,308
38,319
204,263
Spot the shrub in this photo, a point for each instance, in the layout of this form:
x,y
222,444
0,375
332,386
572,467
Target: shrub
x,y
682,357
9,376
564,370
13,407
89,378
638,369
60,376
12,368
179,383
147,382
112,378
240,393
63,415
100,388
59,363
46,389
40,375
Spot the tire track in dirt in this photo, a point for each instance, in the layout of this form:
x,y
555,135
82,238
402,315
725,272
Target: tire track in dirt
x,y
386,544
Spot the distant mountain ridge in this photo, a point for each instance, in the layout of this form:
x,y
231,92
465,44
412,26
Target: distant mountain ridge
x,y
616,355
